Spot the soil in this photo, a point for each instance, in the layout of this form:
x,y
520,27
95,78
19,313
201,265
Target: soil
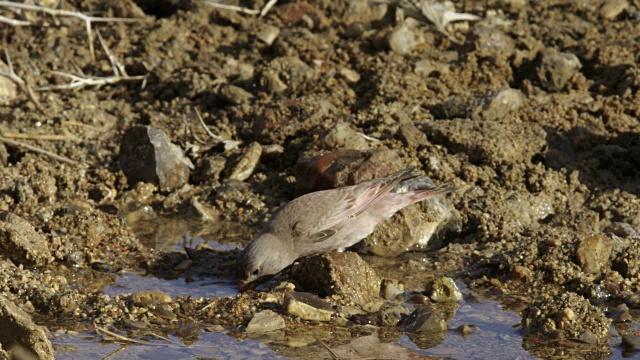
x,y
547,172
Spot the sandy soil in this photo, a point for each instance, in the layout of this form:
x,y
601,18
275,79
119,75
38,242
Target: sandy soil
x,y
533,115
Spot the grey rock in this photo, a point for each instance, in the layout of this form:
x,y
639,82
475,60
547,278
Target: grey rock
x,y
210,168
248,162
147,155
631,342
612,8
402,40
443,289
19,331
265,321
425,318
307,306
593,253
267,34
235,95
554,69
392,314
21,243
411,136
342,135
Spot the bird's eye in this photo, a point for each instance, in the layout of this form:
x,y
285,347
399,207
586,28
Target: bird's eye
x,y
256,271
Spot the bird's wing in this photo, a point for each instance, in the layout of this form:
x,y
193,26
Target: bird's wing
x,y
342,206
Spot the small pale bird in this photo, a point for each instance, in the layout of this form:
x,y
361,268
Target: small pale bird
x,y
329,220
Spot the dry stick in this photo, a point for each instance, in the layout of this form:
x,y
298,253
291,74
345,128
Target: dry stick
x,y
267,7
118,336
334,356
122,347
232,8
52,137
11,75
60,158
14,22
56,12
119,72
228,144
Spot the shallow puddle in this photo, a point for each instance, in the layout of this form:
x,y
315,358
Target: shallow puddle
x,y
496,332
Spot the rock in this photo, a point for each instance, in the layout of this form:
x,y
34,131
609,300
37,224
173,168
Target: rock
x,y
20,242
427,225
8,89
307,306
18,330
210,168
443,289
402,40
593,253
338,273
621,314
292,71
147,155
622,230
342,168
631,342
355,30
489,142
248,162
425,318
411,136
267,34
351,76
429,67
490,41
391,314
234,95
566,316
554,69
390,289
466,330
272,82
490,106
627,261
265,321
342,135
499,105
612,8
150,298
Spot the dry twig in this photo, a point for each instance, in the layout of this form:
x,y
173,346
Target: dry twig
x,y
267,7
228,144
239,9
52,137
14,22
20,144
11,75
334,356
100,330
80,81
74,14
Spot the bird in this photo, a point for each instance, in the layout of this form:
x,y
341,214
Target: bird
x,y
329,220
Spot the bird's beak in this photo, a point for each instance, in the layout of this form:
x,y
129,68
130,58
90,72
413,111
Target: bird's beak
x,y
244,286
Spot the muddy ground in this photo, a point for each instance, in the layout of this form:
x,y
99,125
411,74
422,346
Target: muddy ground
x,y
533,114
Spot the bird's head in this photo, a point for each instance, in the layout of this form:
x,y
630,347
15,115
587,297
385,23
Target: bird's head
x,y
264,257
